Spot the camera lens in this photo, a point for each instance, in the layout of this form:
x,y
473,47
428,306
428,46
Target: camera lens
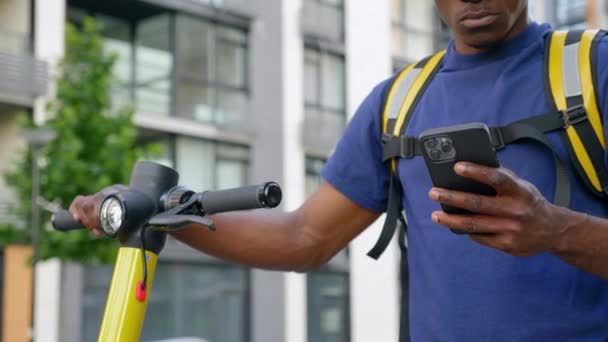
x,y
435,154
446,147
431,143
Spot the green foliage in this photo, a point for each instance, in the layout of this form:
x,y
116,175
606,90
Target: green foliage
x,y
95,146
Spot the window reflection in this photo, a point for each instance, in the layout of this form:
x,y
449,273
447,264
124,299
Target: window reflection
x,y
206,165
187,299
211,73
177,64
328,309
416,30
154,65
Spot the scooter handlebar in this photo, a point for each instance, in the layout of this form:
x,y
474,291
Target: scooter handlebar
x,y
267,195
63,221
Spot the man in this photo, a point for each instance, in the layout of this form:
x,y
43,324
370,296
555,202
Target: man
x,y
529,270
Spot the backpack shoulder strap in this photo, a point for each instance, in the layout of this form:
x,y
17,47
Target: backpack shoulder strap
x,y
403,95
571,62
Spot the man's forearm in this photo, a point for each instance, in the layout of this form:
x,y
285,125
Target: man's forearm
x,y
269,240
584,243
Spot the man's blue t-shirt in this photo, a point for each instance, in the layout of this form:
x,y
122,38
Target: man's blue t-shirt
x,y
460,290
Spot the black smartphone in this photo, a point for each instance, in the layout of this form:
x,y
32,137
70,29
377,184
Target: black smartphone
x,y
443,147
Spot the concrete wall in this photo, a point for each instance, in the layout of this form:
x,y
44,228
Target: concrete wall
x,y
293,154
49,44
49,47
15,16
268,317
374,284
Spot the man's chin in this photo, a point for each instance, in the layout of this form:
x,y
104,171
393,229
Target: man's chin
x,y
483,40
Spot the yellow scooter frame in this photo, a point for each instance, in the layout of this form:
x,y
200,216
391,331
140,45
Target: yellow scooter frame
x,y
126,298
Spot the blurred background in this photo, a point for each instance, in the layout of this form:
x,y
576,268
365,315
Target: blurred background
x,y
228,92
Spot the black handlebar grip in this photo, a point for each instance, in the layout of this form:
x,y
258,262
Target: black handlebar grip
x,y
267,195
63,221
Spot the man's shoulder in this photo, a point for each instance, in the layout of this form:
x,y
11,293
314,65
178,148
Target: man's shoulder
x,y
376,98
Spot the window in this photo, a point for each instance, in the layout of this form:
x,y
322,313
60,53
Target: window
x,y
313,174
214,3
324,19
211,71
206,301
417,31
117,34
117,41
328,290
164,146
187,299
570,14
154,64
180,65
324,92
205,165
328,307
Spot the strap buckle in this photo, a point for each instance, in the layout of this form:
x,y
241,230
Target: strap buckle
x,y
574,115
386,137
408,147
497,138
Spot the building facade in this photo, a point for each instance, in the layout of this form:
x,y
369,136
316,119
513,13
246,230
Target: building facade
x,y
237,92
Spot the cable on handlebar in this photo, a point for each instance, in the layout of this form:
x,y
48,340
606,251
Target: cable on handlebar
x,y
144,259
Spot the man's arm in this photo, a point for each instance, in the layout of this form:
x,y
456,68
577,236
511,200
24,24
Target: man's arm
x,y
300,240
521,222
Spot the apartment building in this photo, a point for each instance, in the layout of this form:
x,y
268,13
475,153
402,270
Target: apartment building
x,y
237,92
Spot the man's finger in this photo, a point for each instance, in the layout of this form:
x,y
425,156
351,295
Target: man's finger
x,y
489,205
502,180
474,224
502,242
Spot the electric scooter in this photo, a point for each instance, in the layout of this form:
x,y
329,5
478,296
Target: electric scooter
x,y
140,217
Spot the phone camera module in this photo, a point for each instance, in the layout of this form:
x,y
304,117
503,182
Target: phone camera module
x,y
431,143
446,146
435,154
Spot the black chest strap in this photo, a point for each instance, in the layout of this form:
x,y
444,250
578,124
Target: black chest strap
x,y
528,129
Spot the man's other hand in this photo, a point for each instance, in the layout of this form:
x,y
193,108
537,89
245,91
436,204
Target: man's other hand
x,y
518,220
85,209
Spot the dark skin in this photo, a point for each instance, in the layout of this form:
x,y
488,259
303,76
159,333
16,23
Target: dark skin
x,y
518,221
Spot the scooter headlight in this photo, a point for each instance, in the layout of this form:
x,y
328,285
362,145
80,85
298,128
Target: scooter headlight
x,y
112,216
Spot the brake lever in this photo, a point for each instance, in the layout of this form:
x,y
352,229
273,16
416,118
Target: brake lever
x,y
181,215
169,223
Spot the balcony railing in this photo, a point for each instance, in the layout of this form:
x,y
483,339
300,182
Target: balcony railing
x,y
23,78
322,20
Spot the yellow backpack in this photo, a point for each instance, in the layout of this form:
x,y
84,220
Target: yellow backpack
x,y
571,85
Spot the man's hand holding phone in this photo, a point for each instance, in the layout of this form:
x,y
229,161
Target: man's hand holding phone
x,y
518,220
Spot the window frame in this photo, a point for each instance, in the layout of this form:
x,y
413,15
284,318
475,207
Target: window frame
x,y
341,11
347,307
440,37
320,106
207,83
203,13
175,254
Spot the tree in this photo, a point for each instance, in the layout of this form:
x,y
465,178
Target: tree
x,y
95,147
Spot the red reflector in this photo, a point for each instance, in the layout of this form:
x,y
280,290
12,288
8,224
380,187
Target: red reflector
x,y
140,291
